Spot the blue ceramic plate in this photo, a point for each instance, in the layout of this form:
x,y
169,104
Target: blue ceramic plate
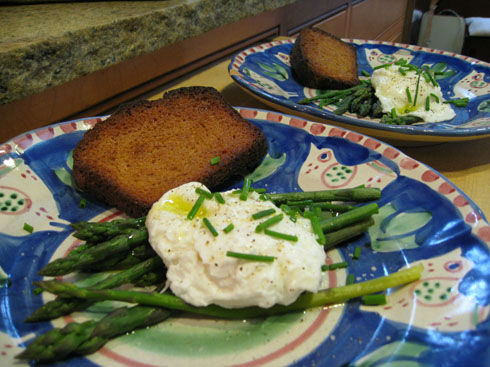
x,y
265,72
441,320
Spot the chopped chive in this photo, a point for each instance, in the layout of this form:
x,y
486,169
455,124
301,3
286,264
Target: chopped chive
x,y
308,214
461,102
317,230
269,222
251,257
263,213
83,204
402,71
350,279
430,77
245,189
357,253
236,192
340,265
37,290
219,198
393,112
228,228
28,228
283,236
374,299
263,197
215,160
192,213
409,96
324,267
208,224
436,98
416,90
400,62
412,67
381,66
291,212
364,72
204,193
427,103
259,190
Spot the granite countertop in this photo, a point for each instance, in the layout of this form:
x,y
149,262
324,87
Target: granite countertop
x,y
48,44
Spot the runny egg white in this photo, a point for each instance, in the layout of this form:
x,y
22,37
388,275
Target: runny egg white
x,y
200,272
390,88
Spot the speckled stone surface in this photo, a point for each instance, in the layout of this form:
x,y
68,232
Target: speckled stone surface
x,y
45,45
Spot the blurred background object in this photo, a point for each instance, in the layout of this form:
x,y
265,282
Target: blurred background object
x,y
457,26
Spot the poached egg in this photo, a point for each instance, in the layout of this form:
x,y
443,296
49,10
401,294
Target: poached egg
x,y
391,89
198,268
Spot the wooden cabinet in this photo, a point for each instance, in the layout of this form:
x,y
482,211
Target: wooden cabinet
x,y
369,19
336,24
378,19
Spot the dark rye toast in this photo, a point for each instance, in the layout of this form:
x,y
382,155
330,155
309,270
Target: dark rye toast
x,y
145,149
322,61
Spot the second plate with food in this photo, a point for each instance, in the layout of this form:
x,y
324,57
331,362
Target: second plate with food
x,y
265,72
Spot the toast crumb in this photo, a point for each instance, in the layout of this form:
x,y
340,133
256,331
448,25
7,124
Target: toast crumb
x,y
320,60
149,147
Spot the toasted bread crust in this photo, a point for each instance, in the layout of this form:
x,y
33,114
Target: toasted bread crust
x,y
144,149
323,61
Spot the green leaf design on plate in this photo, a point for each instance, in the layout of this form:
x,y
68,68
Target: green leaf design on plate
x,y
266,67
12,164
484,106
281,70
276,76
439,67
440,71
268,166
69,159
4,279
397,354
65,176
275,71
399,231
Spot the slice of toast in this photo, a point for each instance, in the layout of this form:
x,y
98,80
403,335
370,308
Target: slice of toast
x,y
143,150
322,61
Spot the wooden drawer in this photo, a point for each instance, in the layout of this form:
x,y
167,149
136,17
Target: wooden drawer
x,y
371,18
393,34
336,25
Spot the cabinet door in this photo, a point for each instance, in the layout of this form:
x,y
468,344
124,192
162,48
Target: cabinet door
x,y
336,25
370,19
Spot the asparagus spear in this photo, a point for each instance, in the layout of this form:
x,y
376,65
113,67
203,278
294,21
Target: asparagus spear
x,y
344,234
96,232
305,300
123,260
88,337
63,306
151,278
124,242
357,194
353,216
